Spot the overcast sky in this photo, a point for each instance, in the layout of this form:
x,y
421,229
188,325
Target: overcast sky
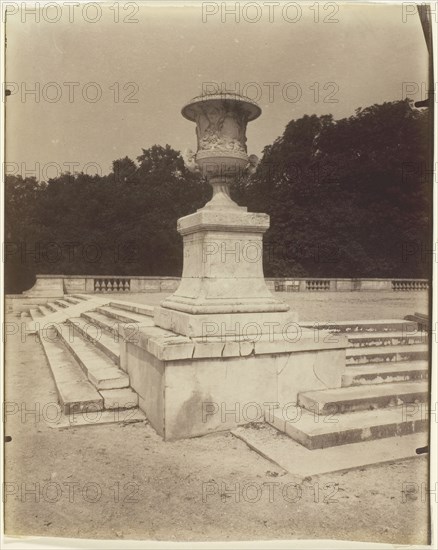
x,y
361,57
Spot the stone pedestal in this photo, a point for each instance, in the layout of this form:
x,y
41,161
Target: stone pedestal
x,y
222,284
222,289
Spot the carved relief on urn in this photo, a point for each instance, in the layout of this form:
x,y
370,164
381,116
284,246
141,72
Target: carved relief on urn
x,y
221,121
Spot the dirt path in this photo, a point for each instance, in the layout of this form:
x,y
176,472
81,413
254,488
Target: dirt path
x,y
124,482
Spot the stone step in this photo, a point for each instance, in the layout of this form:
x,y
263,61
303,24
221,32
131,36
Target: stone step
x,y
339,401
35,314
133,308
81,297
125,316
101,418
71,300
124,398
422,319
108,324
373,325
44,310
303,463
112,326
75,391
314,433
377,373
100,369
63,303
360,356
53,306
107,343
60,316
371,339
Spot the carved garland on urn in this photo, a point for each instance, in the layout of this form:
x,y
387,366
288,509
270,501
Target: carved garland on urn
x,y
221,122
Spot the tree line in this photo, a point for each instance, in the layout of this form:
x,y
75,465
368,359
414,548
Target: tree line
x,y
347,198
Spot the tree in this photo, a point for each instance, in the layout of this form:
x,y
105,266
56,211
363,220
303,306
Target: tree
x,y
124,170
348,197
23,231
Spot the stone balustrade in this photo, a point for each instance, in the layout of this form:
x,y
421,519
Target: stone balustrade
x,y
55,286
58,285
346,285
318,284
112,284
409,285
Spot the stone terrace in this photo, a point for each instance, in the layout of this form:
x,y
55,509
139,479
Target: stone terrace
x,y
330,306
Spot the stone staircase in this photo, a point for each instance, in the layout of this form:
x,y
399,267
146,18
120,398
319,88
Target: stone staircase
x,y
384,389
83,351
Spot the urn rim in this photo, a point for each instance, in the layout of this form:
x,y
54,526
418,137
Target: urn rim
x,y
250,106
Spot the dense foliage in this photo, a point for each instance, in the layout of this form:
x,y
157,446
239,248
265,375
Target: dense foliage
x,y
347,198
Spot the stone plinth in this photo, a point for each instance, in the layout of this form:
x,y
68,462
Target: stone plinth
x,y
222,282
191,386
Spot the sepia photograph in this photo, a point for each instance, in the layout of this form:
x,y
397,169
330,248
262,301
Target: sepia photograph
x,y
219,251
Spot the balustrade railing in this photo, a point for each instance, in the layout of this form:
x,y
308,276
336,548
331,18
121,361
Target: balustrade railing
x,y
287,286
318,284
58,285
113,284
406,285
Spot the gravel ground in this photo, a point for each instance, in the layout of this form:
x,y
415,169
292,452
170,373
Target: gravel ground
x,y
122,481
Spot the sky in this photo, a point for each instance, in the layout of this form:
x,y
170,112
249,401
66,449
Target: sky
x,y
132,67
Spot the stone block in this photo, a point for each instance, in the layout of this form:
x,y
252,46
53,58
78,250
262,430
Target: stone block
x,y
75,284
224,324
47,286
146,374
207,395
123,398
316,369
108,379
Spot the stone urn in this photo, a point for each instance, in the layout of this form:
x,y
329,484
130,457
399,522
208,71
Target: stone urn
x,y
221,121
222,283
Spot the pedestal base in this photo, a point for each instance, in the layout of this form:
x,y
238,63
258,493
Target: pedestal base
x,y
222,282
225,324
190,387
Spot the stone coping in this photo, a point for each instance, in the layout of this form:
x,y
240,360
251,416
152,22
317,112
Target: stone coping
x,y
291,278
168,346
153,277
223,221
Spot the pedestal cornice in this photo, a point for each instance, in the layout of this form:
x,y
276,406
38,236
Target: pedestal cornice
x,y
223,220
